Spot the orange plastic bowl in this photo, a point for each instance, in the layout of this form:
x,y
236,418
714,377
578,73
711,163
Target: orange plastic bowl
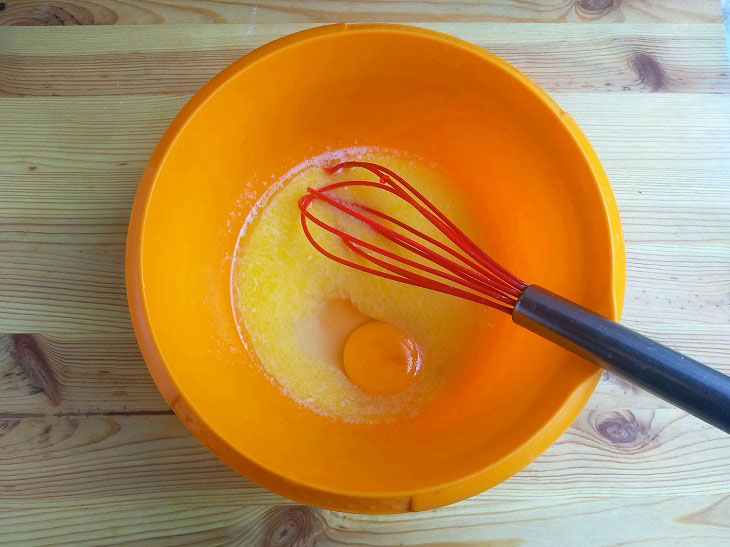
x,y
548,214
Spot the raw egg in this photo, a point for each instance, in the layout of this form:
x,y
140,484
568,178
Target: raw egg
x,y
380,358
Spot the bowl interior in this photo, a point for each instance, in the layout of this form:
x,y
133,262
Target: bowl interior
x,y
506,149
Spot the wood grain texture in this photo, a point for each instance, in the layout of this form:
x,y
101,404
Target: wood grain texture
x,y
100,374
496,522
109,133
64,456
61,267
70,290
75,375
180,59
89,452
657,521
149,479
139,12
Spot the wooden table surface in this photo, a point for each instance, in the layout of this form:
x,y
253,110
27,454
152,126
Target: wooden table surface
x,y
90,453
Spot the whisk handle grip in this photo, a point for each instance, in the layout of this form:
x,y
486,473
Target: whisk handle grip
x,y
684,382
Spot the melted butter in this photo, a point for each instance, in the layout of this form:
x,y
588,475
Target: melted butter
x,y
298,308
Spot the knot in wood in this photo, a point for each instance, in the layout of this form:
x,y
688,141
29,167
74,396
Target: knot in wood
x,y
621,428
649,71
595,5
293,526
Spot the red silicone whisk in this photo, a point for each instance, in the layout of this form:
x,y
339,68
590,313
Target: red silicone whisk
x,y
462,269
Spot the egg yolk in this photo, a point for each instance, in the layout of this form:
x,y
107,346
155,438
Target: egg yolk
x,y
380,358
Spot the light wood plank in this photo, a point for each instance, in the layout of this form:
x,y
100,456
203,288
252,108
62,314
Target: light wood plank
x,y
667,285
605,454
131,12
70,250
103,134
146,478
694,193
180,59
94,40
75,375
496,522
86,374
73,291
664,127
107,133
687,520
174,521
67,197
116,457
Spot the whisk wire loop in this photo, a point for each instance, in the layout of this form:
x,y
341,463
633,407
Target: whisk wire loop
x,y
475,270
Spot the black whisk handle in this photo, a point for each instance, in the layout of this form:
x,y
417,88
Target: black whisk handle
x,y
684,382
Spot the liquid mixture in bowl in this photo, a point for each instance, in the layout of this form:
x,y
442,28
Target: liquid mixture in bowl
x,y
341,342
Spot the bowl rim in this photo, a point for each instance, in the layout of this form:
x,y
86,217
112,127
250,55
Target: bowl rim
x,y
297,489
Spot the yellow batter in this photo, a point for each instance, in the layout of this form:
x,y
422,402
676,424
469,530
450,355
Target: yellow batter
x,y
298,308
